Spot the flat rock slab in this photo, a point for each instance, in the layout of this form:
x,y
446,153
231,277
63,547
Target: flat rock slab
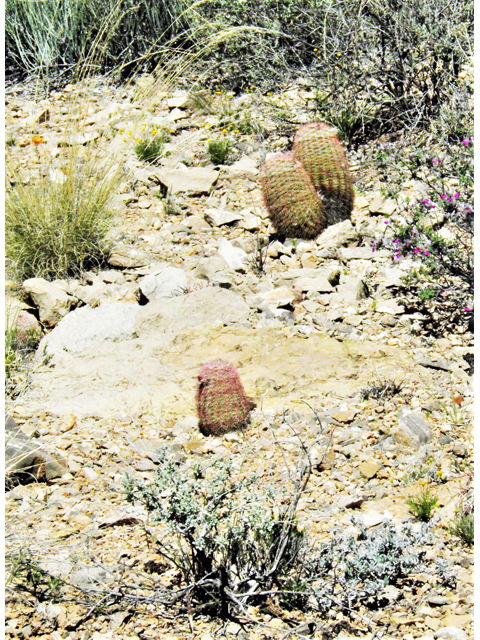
x,y
155,373
194,180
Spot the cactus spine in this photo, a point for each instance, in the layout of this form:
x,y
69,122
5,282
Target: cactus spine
x,y
222,404
318,148
294,207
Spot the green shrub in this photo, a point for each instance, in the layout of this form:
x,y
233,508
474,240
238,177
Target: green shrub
x,y
57,228
225,537
436,231
378,66
218,150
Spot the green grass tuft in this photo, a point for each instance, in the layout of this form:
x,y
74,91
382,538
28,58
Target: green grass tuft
x,y
57,229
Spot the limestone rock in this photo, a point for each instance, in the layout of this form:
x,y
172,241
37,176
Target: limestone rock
x,y
216,271
178,102
53,303
177,114
85,329
128,257
391,307
278,297
193,180
450,633
336,236
355,253
212,306
236,258
412,429
433,362
369,469
380,204
320,283
26,459
164,284
219,217
246,166
37,117
350,290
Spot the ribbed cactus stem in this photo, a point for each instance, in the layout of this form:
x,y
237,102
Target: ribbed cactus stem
x,y
294,207
222,404
318,148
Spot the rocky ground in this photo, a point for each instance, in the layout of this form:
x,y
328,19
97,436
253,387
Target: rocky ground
x,y
318,330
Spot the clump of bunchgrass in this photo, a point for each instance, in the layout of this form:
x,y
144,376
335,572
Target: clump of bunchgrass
x,y
218,150
463,528
423,504
57,226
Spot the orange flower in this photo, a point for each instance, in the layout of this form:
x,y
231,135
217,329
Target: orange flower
x,y
38,140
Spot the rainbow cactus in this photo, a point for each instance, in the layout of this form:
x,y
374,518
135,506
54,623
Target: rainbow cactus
x,y
222,404
294,206
318,148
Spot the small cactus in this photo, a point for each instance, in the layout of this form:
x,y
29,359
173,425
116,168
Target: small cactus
x,y
294,206
318,148
222,404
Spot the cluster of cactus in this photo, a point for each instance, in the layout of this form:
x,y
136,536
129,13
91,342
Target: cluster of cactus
x,y
309,188
222,404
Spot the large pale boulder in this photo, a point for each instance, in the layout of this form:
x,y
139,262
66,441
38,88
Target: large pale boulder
x,y
87,329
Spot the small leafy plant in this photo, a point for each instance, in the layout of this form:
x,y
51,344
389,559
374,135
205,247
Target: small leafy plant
x,y
218,150
27,576
423,504
150,148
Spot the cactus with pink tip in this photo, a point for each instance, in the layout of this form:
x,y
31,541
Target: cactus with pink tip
x,y
309,188
294,207
318,148
222,404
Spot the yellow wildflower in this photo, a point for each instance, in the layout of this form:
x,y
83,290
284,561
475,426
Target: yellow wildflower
x,y
315,49
154,132
172,130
